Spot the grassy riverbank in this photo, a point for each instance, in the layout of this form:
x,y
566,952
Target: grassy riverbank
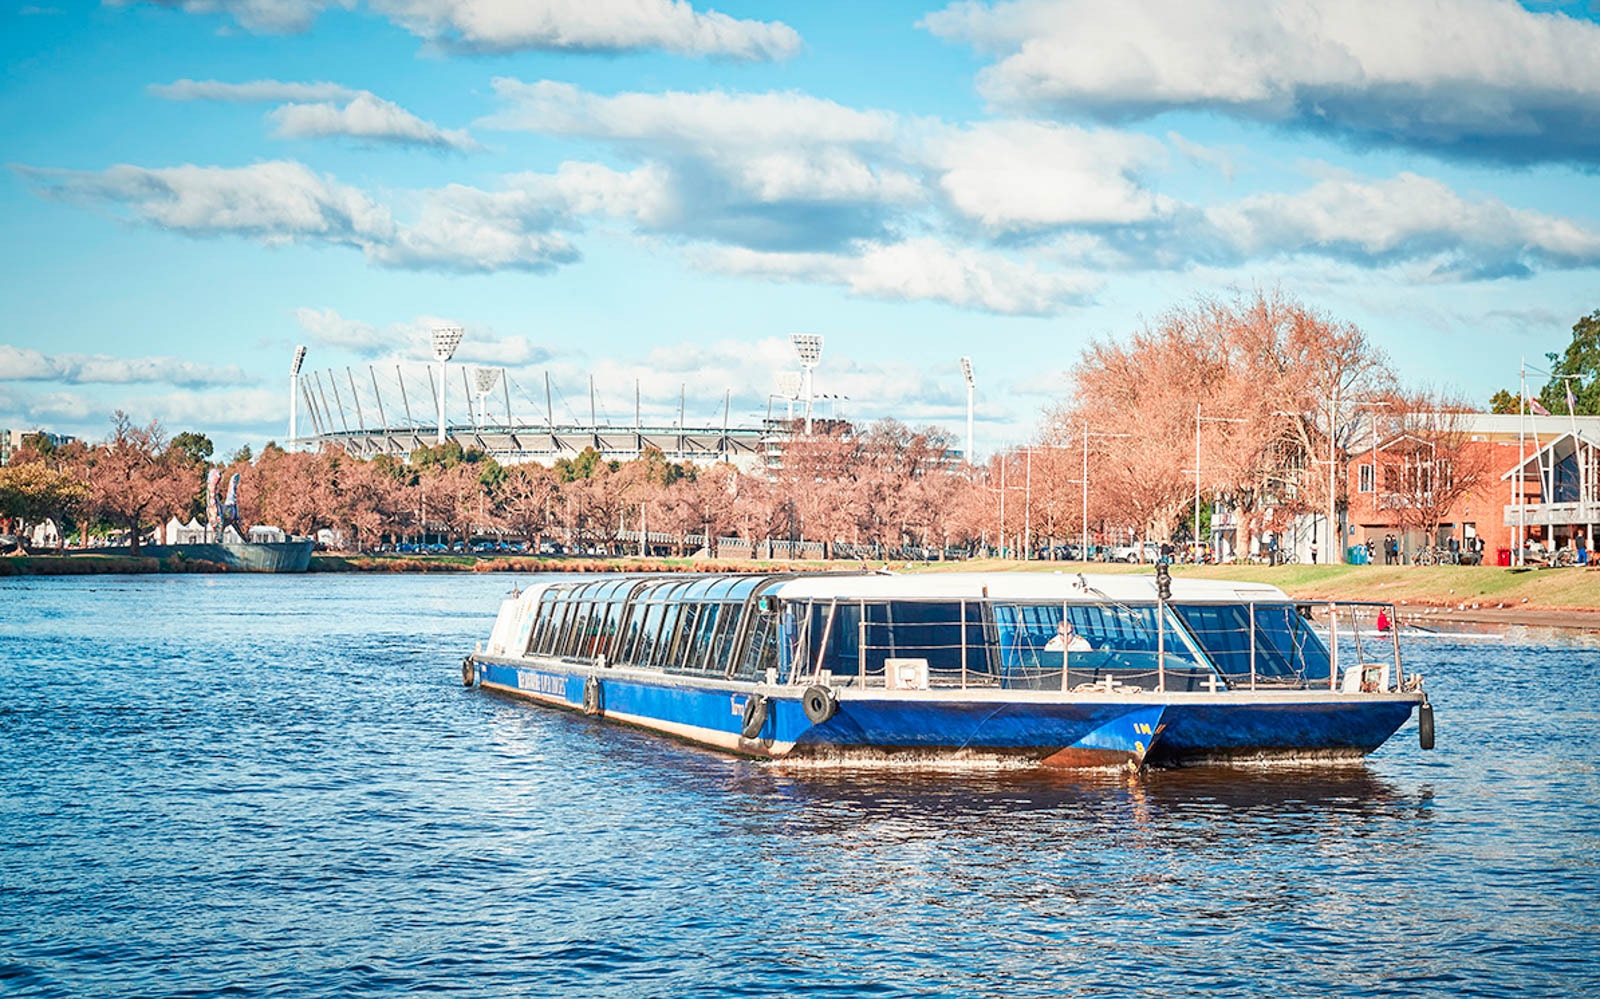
x,y
1463,589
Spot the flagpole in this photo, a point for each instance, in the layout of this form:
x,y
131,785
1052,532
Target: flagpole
x,y
1522,460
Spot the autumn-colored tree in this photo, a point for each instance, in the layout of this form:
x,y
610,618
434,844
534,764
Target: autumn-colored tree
x,y
528,496
135,480
33,491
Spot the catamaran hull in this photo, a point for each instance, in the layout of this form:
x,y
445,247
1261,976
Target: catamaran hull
x,y
1302,730
864,727
1112,730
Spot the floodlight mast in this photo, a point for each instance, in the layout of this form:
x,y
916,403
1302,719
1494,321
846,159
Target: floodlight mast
x,y
445,341
966,372
483,379
294,394
808,347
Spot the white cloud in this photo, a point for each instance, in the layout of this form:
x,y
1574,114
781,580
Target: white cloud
x,y
1021,175
321,110
458,228
254,91
706,120
551,25
27,364
412,340
1404,218
919,270
596,25
771,147
275,202
265,16
366,117
1484,78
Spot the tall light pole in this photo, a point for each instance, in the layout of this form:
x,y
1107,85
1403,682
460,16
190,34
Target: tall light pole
x,y
483,380
966,372
294,394
1198,419
445,341
808,347
1086,435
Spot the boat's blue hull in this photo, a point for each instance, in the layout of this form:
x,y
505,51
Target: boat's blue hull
x,y
1303,729
953,725
903,726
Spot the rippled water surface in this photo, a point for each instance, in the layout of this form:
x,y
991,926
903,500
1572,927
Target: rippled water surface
x,y
254,786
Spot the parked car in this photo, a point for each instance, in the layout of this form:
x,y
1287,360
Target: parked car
x,y
1131,553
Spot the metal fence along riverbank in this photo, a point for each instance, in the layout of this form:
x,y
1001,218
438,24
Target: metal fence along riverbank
x,y
270,785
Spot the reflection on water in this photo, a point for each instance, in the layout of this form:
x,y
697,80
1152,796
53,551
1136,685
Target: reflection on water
x,y
278,786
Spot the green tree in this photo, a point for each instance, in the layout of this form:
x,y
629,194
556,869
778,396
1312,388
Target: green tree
x,y
1504,403
1581,364
196,447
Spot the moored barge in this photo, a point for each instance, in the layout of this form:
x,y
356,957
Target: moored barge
x,y
1056,670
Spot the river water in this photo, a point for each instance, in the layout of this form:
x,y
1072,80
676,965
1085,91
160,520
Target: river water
x,y
274,785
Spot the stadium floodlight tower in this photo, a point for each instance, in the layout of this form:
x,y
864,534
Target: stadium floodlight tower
x,y
484,379
808,346
294,394
966,372
445,341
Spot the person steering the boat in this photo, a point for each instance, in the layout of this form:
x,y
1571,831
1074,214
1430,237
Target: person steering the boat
x,y
1067,639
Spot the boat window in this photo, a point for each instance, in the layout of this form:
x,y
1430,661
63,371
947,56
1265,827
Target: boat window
x,y
1124,645
725,642
923,630
666,651
572,629
649,634
697,643
761,653
550,630
1287,648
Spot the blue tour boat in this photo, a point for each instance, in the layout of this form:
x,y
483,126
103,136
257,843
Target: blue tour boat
x,y
1052,669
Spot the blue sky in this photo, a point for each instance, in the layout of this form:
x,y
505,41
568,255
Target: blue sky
x,y
657,194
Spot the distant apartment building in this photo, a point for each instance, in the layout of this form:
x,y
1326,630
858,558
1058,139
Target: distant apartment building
x,y
13,440
1539,480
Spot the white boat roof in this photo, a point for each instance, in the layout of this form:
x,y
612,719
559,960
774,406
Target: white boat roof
x,y
1029,586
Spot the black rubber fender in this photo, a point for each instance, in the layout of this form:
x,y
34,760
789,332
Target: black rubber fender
x,y
819,703
755,716
594,697
1425,725
469,672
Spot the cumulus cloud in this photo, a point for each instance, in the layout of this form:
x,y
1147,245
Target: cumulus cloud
x,y
1474,78
275,202
457,229
412,340
368,118
919,270
322,110
1402,219
551,25
1016,176
775,171
253,91
27,364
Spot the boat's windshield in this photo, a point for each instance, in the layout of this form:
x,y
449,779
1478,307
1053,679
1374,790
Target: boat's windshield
x,y
1092,643
1286,647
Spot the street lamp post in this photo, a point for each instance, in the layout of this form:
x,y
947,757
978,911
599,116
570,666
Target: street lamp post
x,y
1198,419
1086,435
966,373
